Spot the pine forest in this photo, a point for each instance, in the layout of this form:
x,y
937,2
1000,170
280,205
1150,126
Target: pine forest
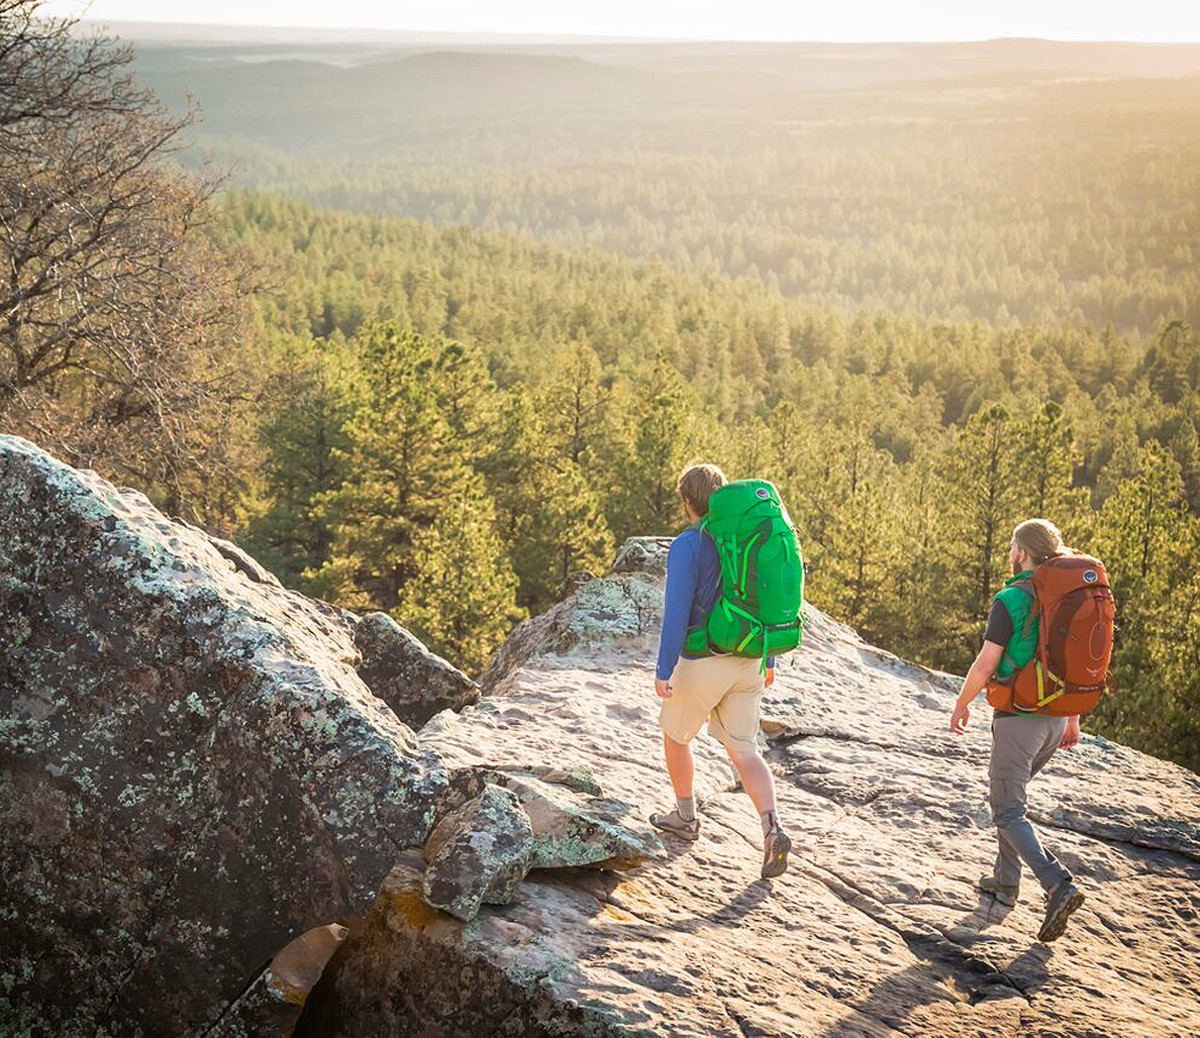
x,y
445,324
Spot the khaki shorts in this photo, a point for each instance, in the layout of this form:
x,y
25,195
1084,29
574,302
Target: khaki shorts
x,y
725,691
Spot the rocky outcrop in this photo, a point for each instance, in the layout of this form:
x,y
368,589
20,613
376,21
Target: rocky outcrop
x,y
196,778
498,823
479,852
618,616
401,671
191,772
197,786
877,927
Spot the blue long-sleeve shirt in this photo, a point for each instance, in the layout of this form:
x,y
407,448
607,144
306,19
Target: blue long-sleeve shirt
x,y
693,583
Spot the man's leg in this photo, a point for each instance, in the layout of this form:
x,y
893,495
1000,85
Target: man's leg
x,y
1016,743
682,771
681,716
734,721
680,767
1008,862
757,780
759,784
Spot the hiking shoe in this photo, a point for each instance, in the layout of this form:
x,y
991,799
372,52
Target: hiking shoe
x,y
776,845
1004,893
1063,900
673,823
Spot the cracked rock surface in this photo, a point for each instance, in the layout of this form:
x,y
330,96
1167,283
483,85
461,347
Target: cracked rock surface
x,y
192,773
876,929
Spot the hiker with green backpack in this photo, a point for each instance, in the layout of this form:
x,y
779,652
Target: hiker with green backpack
x,y
735,581
1044,662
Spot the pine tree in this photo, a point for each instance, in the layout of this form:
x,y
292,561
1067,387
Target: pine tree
x,y
1185,447
860,562
549,509
1138,536
402,460
461,600
1048,464
573,402
659,436
466,395
981,481
305,446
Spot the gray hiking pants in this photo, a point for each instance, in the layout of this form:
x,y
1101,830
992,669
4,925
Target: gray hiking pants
x,y
1021,747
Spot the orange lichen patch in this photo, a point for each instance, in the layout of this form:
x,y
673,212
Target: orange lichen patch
x,y
285,992
409,905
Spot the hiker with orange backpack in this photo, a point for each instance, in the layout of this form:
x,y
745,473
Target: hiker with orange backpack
x,y
734,586
1044,662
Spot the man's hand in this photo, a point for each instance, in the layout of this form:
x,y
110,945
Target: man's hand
x,y
770,678
960,718
1071,735
663,688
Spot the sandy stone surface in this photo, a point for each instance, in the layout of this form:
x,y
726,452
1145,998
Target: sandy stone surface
x,y
877,928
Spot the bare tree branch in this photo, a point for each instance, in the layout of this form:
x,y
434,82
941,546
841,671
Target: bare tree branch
x,y
117,310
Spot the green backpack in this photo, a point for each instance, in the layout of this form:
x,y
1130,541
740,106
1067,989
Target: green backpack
x,y
762,575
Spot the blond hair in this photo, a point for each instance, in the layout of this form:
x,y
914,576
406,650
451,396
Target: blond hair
x,y
1040,539
697,484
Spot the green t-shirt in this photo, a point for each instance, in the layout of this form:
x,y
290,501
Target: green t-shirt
x,y
1022,645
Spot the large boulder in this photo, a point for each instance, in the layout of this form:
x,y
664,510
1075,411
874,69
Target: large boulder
x,y
400,670
479,852
498,823
192,774
876,929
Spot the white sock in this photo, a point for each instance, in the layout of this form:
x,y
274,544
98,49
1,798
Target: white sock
x,y
686,806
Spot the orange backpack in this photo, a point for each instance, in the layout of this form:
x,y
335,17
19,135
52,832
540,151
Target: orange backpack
x,y
1075,610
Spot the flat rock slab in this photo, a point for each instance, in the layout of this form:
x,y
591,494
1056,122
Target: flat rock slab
x,y
876,929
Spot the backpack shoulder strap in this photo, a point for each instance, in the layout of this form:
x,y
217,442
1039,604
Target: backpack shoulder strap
x,y
1026,585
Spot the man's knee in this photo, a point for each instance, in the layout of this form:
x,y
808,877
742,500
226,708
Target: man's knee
x,y
1007,801
741,754
1007,814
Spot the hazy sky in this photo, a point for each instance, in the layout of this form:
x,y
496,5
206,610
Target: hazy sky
x,y
1169,21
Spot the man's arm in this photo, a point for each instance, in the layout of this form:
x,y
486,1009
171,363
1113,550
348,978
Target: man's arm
x,y
677,606
977,678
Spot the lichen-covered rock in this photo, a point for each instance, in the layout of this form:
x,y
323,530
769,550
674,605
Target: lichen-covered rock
x,y
466,783
401,671
406,970
272,1005
643,555
191,772
622,613
573,823
479,852
571,831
